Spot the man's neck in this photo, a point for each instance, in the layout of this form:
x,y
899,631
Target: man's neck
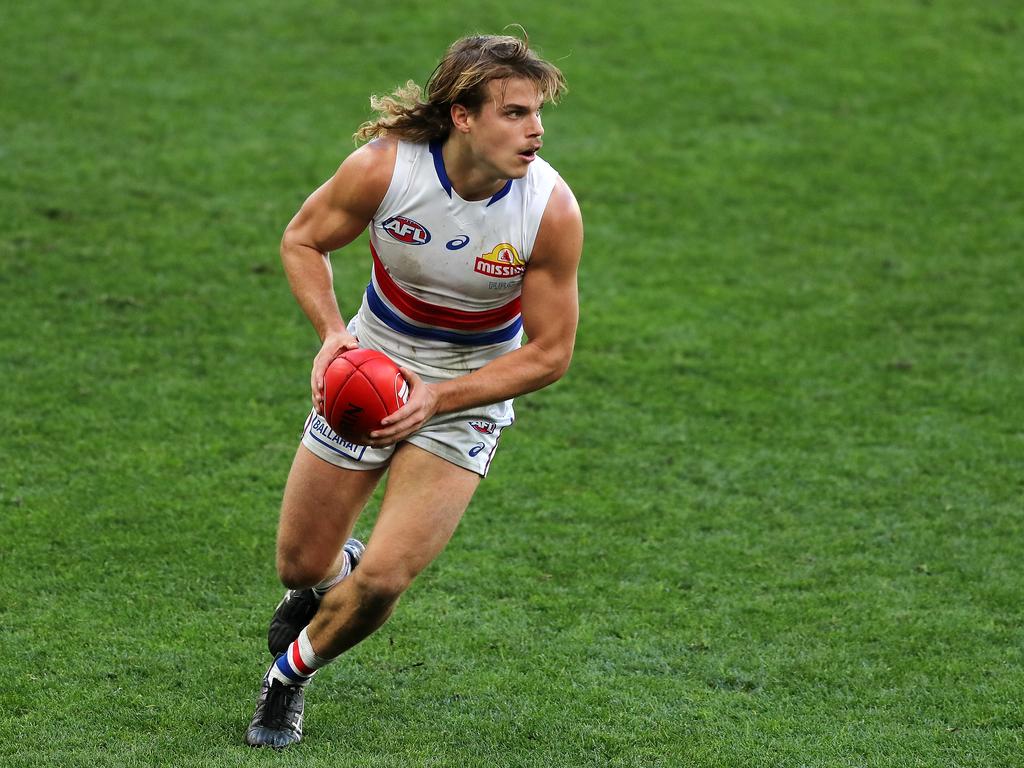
x,y
468,179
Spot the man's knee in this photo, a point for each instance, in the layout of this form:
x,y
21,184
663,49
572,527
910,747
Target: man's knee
x,y
378,586
299,568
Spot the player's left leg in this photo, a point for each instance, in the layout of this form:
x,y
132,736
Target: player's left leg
x,y
423,503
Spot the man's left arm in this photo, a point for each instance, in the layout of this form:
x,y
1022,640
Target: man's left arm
x,y
550,308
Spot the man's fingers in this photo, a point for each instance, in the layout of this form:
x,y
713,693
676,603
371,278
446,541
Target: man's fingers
x,y
393,418
392,431
317,385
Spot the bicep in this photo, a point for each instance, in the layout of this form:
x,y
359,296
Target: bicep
x,y
550,303
341,209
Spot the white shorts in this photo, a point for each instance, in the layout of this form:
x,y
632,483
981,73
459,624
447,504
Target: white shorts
x,y
465,438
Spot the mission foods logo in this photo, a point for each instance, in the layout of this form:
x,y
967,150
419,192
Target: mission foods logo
x,y
503,261
406,230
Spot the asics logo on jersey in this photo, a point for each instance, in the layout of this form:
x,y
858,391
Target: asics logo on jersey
x,y
476,449
503,261
457,242
407,231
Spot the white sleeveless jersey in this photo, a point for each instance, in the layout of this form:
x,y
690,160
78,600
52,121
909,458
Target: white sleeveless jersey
x,y
447,273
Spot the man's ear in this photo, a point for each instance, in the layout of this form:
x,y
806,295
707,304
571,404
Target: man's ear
x,y
460,118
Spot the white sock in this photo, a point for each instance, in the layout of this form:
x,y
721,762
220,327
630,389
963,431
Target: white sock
x,y
327,584
297,664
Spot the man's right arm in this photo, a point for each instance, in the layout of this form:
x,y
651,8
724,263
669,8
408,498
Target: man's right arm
x,y
332,217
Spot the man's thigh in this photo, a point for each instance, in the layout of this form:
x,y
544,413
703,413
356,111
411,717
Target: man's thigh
x,y
423,503
319,510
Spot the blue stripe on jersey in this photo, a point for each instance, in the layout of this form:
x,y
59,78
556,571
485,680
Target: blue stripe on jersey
x,y
501,193
442,172
384,313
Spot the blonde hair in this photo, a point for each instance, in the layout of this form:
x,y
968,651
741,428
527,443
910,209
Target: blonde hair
x,y
461,78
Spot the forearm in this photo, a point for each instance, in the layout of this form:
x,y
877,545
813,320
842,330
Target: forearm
x,y
529,368
312,282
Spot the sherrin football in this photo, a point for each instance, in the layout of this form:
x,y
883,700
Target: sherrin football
x,y
361,387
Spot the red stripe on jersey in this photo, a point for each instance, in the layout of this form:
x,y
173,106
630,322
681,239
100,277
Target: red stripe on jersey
x,y
434,314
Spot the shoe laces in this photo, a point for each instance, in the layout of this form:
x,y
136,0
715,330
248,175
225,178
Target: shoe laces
x,y
278,710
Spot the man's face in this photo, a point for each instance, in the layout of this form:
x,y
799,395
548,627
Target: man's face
x,y
506,132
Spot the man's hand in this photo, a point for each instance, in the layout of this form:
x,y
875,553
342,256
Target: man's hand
x,y
420,407
334,345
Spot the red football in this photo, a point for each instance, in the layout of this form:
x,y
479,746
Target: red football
x,y
361,387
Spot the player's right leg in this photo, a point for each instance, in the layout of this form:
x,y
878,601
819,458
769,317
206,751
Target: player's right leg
x,y
320,507
298,606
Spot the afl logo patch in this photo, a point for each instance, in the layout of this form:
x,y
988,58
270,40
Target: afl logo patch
x,y
406,230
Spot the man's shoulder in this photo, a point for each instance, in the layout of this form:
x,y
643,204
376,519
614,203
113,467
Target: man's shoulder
x,y
377,160
562,214
374,156
367,172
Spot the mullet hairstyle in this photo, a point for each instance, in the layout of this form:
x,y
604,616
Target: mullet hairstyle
x,y
461,78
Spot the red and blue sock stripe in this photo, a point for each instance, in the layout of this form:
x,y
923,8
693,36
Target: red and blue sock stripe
x,y
291,666
297,664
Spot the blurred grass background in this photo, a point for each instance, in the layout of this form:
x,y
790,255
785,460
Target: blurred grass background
x,y
771,517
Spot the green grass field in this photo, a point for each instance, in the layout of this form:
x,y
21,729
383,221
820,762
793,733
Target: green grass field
x,y
772,517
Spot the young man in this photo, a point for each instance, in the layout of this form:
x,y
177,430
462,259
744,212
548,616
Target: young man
x,y
474,240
